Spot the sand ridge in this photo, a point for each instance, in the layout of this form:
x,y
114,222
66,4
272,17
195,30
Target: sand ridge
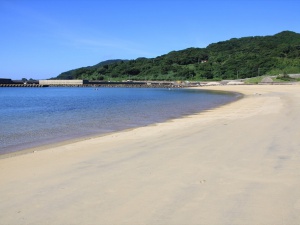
x,y
236,164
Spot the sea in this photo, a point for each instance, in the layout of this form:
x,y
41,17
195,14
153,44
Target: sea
x,y
31,117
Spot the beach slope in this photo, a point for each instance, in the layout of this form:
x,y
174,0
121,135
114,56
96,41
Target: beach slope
x,y
236,164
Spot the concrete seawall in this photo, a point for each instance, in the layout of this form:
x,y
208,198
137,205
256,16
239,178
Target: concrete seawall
x,y
131,84
86,83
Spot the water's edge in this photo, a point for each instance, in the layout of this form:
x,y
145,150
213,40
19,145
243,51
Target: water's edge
x,y
60,142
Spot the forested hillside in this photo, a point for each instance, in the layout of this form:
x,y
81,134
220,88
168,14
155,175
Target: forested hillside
x,y
235,58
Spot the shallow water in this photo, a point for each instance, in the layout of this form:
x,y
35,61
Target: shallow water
x,y
35,116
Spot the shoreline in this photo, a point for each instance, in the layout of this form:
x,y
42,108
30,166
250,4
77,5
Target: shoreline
x,y
52,143
238,163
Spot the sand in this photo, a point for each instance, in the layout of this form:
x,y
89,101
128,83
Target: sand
x,y
236,164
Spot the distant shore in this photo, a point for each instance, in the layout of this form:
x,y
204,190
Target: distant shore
x,y
235,164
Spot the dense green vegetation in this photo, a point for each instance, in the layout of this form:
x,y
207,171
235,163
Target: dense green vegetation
x,y
236,58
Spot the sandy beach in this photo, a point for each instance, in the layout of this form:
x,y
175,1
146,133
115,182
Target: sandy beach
x,y
236,164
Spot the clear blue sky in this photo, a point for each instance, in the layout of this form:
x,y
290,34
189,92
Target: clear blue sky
x,y
42,38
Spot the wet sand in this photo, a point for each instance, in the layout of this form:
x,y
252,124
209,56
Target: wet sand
x,y
236,164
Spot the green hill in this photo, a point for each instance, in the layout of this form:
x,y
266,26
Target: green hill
x,y
235,58
76,73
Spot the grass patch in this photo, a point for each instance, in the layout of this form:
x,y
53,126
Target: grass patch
x,y
254,80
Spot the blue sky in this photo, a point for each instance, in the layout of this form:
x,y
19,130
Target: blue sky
x,y
42,38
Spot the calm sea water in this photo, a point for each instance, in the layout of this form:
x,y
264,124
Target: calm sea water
x,y
36,116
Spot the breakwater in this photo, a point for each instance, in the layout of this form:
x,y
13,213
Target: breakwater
x,y
86,83
117,84
120,85
23,85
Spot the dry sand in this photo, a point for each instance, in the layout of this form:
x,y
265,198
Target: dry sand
x,y
236,164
